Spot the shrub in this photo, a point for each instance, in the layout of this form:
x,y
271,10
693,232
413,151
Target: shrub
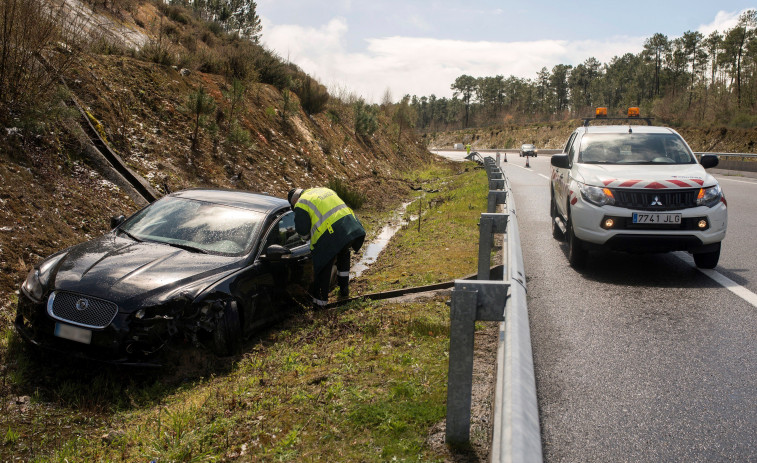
x,y
366,119
157,52
30,29
238,136
313,96
272,70
352,198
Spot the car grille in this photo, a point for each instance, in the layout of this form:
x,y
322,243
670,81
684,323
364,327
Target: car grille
x,y
655,200
94,313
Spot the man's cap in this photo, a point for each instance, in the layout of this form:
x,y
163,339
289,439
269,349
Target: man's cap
x,y
294,195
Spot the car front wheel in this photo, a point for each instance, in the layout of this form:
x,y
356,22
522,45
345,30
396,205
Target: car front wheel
x,y
707,259
556,232
576,251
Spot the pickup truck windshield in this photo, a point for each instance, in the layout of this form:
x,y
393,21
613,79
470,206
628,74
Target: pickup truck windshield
x,y
634,148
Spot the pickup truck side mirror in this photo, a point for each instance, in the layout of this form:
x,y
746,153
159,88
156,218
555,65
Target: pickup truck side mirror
x,y
560,160
709,160
116,220
276,252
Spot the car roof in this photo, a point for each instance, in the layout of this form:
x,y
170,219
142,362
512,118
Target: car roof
x,y
624,129
261,202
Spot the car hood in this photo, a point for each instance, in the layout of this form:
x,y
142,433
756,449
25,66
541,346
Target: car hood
x,y
645,176
125,271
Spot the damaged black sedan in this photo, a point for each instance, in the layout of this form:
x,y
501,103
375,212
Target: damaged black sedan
x,y
201,266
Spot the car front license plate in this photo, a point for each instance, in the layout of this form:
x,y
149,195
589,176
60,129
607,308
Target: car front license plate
x,y
657,219
73,333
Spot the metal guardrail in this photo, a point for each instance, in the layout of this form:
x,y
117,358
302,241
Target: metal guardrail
x,y
516,435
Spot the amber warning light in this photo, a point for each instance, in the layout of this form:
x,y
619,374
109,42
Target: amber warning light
x,y
601,112
633,112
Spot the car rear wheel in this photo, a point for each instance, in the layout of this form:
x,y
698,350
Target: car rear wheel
x,y
707,259
576,252
227,337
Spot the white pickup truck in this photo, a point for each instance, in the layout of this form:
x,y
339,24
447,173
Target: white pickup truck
x,y
636,188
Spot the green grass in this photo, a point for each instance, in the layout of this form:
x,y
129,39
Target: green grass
x,y
446,247
365,382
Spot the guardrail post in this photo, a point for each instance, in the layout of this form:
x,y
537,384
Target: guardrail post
x,y
471,301
495,198
460,377
497,184
488,225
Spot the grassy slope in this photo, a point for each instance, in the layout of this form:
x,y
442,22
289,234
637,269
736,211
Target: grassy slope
x,y
366,382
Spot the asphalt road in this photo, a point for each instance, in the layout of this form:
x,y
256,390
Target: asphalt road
x,y
641,358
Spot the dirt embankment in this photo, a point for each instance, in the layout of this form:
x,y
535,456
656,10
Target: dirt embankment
x,y
553,135
51,198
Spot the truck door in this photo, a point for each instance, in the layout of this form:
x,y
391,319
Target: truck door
x,y
561,177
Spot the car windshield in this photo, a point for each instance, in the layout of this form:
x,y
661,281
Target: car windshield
x,y
527,147
195,225
634,148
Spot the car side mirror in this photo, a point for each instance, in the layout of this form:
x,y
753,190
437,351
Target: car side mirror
x,y
116,220
560,160
276,252
709,160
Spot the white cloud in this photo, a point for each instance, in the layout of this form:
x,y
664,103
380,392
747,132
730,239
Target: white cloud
x,y
423,66
724,20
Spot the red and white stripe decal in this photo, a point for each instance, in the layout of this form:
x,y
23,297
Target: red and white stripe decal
x,y
653,184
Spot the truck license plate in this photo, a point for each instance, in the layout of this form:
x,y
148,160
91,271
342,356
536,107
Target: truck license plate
x,y
657,219
73,333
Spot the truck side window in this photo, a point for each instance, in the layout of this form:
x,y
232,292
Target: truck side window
x,y
570,140
572,150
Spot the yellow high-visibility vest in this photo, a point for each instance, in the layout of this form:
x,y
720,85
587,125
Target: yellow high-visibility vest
x,y
324,208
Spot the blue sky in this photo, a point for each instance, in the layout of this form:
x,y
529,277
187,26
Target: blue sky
x,y
367,48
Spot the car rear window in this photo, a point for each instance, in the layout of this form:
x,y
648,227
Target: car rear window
x,y
634,148
208,227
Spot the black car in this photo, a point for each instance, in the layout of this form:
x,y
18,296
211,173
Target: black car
x,y
527,150
204,266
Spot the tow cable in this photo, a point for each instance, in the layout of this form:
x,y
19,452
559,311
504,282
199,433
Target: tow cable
x,y
495,274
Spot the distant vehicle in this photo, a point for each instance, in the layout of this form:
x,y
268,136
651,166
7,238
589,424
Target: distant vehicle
x,y
458,146
527,150
204,266
637,189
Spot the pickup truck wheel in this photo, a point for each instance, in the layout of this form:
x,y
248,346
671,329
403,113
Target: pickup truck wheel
x,y
576,251
556,232
227,337
707,259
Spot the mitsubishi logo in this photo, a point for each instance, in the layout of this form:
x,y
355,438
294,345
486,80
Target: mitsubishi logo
x,y
656,201
82,304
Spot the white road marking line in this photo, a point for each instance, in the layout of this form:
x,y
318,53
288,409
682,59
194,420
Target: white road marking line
x,y
529,169
726,282
737,181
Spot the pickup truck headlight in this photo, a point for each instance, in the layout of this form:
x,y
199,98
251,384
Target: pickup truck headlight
x,y
709,196
598,196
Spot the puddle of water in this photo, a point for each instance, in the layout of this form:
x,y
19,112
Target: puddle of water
x,y
374,248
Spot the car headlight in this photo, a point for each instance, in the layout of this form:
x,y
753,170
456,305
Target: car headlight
x,y
33,286
597,195
38,279
709,196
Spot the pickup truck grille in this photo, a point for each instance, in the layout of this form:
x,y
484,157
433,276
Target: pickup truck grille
x,y
655,200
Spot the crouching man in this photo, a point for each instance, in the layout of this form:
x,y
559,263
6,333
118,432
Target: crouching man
x,y
333,230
